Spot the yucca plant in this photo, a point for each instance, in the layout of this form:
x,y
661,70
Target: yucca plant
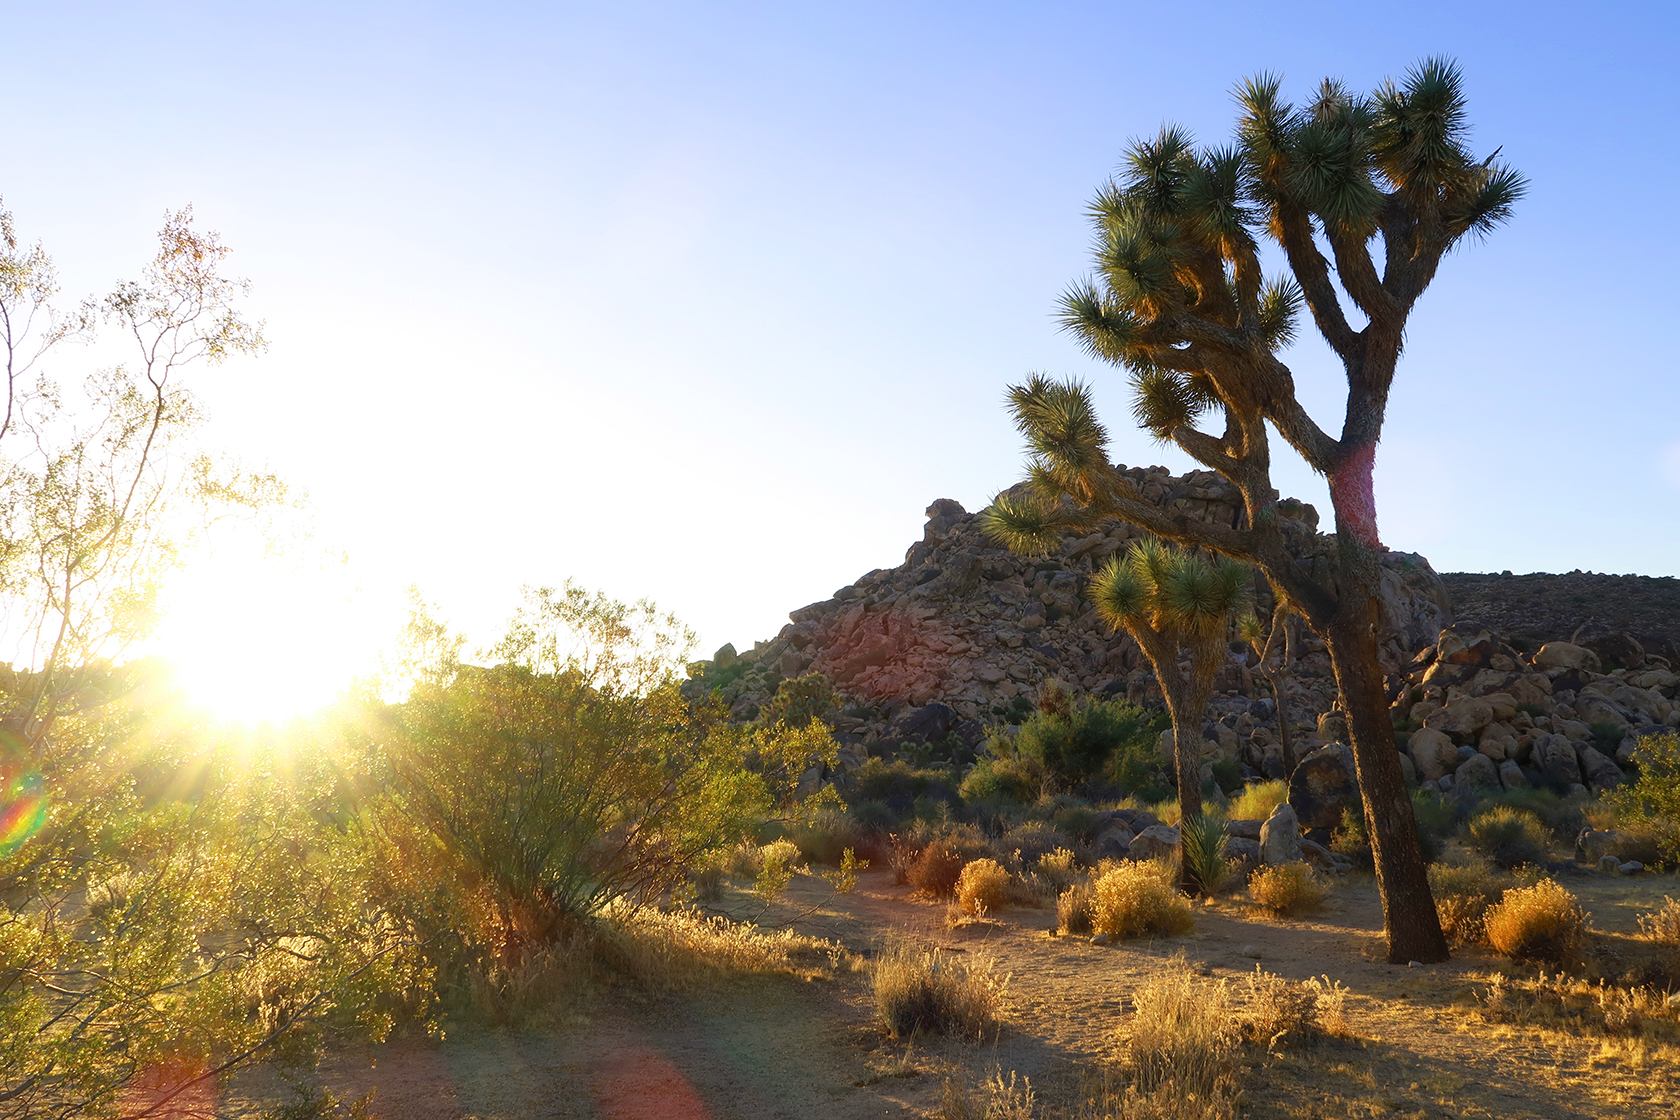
x,y
1178,298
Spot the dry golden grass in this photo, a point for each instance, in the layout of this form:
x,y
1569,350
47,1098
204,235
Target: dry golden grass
x,y
1281,1011
1463,896
1539,923
922,992
1577,1007
1131,899
1289,888
683,951
1074,909
1180,1052
936,870
1257,800
1662,925
983,885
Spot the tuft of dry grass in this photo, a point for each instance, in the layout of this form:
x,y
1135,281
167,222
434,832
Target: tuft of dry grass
x,y
994,1099
983,886
683,951
1463,896
1662,925
1180,1051
1074,909
1288,888
1257,800
921,992
1575,1007
1131,899
936,870
1281,1011
1539,923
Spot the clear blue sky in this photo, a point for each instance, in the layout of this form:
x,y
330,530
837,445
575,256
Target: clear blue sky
x,y
707,302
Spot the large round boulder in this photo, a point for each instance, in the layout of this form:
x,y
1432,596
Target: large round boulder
x,y
1323,786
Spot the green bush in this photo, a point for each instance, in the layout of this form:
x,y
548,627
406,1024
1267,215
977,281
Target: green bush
x,y
1078,821
1093,740
1562,817
823,836
896,781
799,701
1204,852
1508,836
1001,778
1651,802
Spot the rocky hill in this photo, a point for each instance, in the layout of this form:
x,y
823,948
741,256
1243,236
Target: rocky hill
x,y
1539,607
1546,680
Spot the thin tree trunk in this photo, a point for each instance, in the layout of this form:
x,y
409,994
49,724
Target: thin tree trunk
x,y
1410,922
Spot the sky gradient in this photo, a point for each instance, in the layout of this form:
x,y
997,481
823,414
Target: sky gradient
x,y
706,303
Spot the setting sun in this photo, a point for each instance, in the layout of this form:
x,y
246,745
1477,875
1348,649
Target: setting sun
x,y
260,638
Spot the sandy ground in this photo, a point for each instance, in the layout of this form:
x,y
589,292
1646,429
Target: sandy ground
x,y
780,1048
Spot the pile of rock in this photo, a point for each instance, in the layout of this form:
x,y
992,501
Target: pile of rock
x,y
1489,717
950,638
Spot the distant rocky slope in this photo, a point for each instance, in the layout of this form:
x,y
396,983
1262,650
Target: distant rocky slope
x,y
1538,679
1536,608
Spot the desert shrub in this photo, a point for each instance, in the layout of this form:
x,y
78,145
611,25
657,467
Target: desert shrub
x,y
1289,888
1059,868
1563,818
1574,1006
983,885
1134,898
799,701
1539,923
1030,842
1079,743
1651,802
1280,1010
919,992
823,836
872,816
936,870
1351,838
1662,925
1204,852
897,783
1227,775
1075,909
571,773
1079,821
1258,799
993,1099
1181,1050
1463,895
1509,837
1003,778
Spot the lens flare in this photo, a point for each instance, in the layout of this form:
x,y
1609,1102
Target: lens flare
x,y
23,809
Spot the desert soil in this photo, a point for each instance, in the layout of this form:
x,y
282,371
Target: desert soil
x,y
781,1049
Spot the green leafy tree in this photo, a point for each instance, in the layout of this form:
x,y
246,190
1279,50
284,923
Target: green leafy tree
x,y
1386,182
570,774
1652,800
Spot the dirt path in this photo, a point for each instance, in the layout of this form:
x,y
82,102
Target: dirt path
x,y
780,1049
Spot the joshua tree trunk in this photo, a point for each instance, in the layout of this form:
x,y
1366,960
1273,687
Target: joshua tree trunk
x,y
1409,917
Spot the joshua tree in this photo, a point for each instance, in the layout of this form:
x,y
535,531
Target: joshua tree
x,y
1179,299
1170,600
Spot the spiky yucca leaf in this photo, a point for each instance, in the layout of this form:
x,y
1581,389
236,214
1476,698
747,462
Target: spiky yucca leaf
x,y
1213,198
1121,592
1280,305
1161,401
1065,432
1027,402
1021,524
1200,595
1156,170
1103,327
1419,128
1267,125
1136,264
1203,846
1250,629
1153,560
1489,203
